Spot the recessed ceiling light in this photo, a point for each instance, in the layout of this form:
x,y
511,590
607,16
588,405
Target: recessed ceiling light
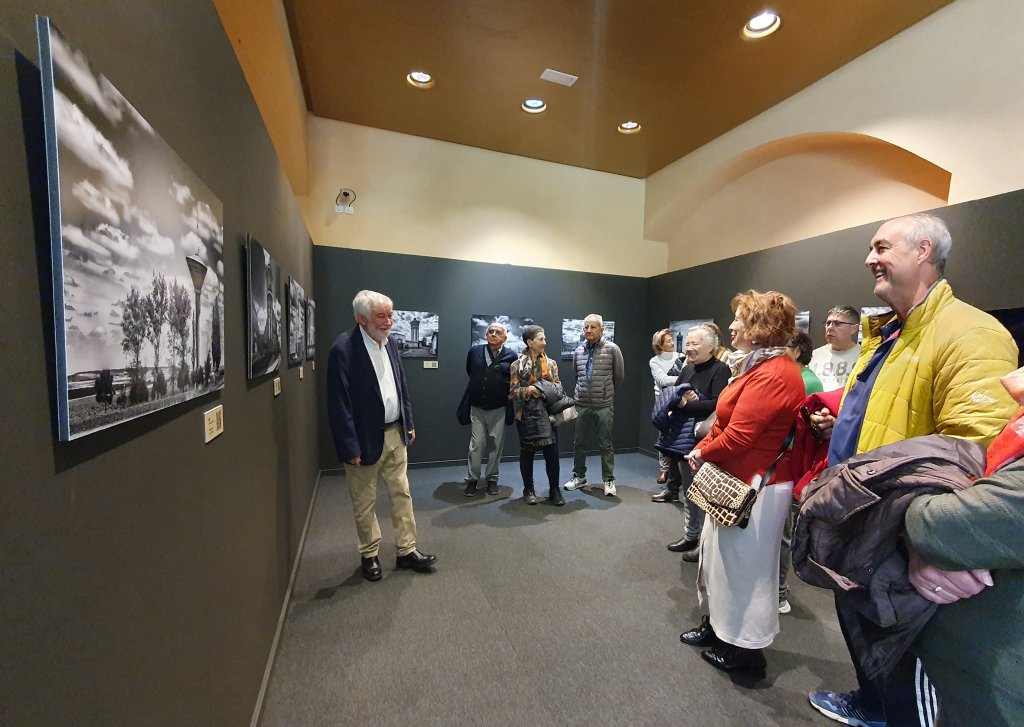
x,y
629,127
761,25
420,79
534,106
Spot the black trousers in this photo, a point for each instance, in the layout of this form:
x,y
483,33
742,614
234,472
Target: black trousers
x,y
898,696
526,455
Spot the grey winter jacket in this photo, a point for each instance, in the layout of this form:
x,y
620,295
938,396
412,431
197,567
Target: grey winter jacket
x,y
607,372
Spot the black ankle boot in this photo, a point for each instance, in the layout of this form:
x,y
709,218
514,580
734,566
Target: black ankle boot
x,y
683,544
729,658
702,635
555,496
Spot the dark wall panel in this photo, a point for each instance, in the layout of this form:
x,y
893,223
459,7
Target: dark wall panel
x,y
143,571
828,270
457,289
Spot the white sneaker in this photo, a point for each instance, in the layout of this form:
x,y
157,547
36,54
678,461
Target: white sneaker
x,y
609,488
784,606
576,483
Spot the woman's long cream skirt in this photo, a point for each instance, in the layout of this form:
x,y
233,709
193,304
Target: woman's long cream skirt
x,y
738,575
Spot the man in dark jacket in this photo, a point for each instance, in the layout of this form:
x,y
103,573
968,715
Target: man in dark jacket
x,y
488,367
371,421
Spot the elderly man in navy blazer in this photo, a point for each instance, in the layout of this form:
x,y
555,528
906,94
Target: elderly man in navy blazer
x,y
371,421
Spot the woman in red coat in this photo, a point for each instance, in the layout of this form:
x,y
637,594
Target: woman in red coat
x,y
739,567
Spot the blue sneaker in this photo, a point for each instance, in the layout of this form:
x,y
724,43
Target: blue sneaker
x,y
843,708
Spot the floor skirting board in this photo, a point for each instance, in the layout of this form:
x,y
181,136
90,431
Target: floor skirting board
x,y
258,709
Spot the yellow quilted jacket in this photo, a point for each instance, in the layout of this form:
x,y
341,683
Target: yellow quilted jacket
x,y
941,377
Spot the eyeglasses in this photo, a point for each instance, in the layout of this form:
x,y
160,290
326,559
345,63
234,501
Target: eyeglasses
x,y
494,333
828,324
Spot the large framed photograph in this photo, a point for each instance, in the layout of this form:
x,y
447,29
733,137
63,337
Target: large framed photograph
x,y
572,335
513,324
680,328
416,333
296,323
310,329
137,254
263,291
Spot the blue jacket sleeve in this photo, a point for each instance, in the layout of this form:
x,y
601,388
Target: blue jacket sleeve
x,y
339,405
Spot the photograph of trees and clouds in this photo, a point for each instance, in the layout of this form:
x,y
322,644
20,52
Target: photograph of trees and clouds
x,y
138,254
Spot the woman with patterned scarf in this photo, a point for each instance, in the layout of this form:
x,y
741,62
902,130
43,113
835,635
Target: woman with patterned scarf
x,y
536,430
737,578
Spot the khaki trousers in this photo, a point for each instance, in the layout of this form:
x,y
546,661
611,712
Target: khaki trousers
x,y
362,486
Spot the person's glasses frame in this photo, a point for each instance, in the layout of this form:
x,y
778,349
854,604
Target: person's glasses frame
x,y
840,323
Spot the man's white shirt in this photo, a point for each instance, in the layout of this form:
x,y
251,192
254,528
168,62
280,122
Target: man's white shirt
x,y
833,367
385,376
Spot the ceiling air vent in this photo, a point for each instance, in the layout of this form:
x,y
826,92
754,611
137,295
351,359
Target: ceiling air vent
x,y
562,79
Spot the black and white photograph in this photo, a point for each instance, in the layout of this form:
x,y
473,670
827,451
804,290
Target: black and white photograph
x,y
680,328
513,324
572,335
137,243
264,299
416,333
803,321
296,323
310,329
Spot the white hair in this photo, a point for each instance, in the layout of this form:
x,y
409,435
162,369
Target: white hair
x,y
707,334
367,299
499,323
923,226
595,317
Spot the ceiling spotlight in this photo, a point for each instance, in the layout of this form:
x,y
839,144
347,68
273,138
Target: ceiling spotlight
x,y
534,106
761,25
420,79
629,127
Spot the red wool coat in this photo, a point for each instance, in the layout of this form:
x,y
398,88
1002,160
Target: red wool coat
x,y
755,415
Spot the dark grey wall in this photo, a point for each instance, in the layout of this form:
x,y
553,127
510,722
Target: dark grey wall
x,y
456,289
828,270
143,571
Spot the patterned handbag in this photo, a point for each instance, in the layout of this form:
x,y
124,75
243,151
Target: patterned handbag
x,y
726,498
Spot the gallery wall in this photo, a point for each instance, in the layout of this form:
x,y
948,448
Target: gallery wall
x,y
143,570
942,89
828,270
426,197
456,290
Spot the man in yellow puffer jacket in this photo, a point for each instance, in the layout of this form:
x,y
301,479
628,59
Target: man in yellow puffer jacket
x,y
933,367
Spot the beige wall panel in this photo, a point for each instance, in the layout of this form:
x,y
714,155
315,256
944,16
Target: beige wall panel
x,y
946,90
425,197
793,198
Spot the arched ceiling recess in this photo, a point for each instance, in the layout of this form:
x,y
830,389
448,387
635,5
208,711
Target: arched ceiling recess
x,y
855,153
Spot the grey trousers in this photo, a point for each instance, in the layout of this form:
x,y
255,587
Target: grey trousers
x,y
487,425
786,551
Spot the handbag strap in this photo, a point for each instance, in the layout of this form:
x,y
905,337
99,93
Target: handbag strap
x,y
771,470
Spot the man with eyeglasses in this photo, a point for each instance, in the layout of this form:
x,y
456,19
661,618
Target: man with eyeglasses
x,y
833,362
488,365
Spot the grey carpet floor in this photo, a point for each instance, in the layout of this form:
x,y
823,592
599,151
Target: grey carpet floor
x,y
536,615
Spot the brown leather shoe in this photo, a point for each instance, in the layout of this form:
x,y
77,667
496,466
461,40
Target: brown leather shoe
x,y
662,478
